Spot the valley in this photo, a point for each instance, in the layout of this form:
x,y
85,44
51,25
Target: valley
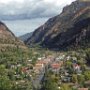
x,y
56,56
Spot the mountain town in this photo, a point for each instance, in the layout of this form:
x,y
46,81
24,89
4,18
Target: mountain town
x,y
56,56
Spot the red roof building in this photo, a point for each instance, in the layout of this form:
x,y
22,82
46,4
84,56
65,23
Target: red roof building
x,y
55,65
82,88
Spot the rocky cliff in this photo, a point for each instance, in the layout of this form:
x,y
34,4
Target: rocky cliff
x,y
70,28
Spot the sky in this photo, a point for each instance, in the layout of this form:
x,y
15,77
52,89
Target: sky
x,y
39,10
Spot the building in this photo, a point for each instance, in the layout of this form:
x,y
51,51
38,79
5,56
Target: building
x,y
55,67
39,67
77,68
82,88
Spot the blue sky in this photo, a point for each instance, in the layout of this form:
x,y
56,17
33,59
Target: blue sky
x,y
34,9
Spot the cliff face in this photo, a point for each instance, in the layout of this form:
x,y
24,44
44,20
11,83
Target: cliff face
x,y
71,27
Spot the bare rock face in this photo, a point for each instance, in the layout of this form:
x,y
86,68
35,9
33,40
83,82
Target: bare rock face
x,y
70,28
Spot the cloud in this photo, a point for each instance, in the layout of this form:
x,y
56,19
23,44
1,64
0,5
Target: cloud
x,y
20,27
38,11
31,8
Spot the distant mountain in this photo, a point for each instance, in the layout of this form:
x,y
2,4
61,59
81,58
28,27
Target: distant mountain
x,y
26,36
7,38
70,28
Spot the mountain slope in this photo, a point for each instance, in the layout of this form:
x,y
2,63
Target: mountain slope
x,y
25,36
7,38
71,27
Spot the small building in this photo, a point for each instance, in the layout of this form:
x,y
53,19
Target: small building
x,y
39,58
82,88
87,83
68,57
77,68
39,67
55,67
24,69
30,60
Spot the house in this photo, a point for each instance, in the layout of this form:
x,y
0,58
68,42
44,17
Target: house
x,y
46,60
19,65
13,66
62,56
39,67
50,57
57,58
66,79
25,70
30,60
68,57
74,58
82,88
55,67
21,82
39,58
87,83
77,68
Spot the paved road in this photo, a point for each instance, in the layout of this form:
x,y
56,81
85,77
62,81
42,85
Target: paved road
x,y
37,81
